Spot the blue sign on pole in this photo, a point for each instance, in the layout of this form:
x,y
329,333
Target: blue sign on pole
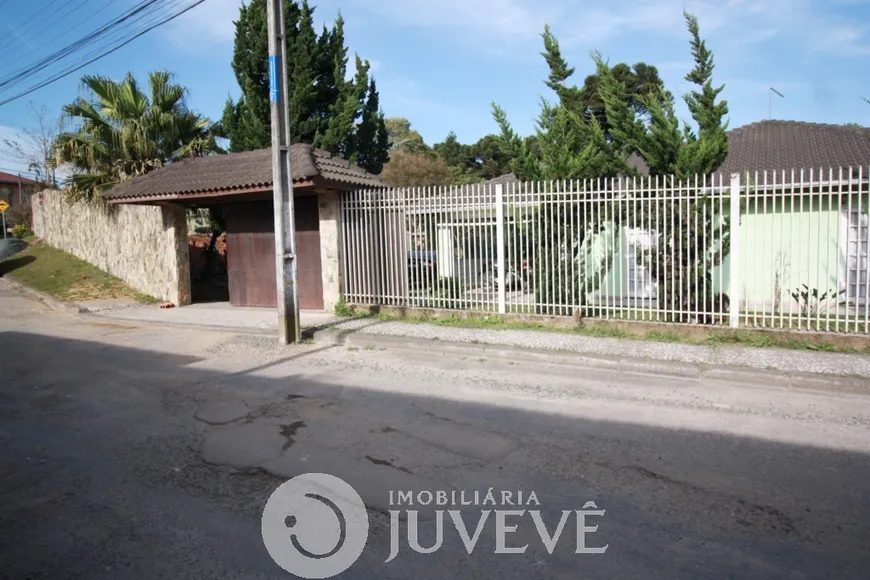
x,y
273,78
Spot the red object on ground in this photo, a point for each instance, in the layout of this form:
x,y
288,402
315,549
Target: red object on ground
x,y
167,305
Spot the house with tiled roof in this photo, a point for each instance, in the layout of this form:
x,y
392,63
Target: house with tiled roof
x,y
799,181
777,146
795,145
16,190
796,179
782,191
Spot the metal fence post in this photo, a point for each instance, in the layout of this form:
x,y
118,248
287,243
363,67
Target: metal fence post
x,y
734,260
499,240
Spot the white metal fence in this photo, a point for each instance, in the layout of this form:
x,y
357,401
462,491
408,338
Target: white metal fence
x,y
772,250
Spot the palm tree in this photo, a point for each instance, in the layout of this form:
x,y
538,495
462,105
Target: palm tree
x,y
122,132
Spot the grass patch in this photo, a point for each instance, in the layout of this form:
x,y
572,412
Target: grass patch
x,y
752,338
65,277
667,336
764,339
342,308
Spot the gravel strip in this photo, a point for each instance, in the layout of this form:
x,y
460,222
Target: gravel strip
x,y
792,361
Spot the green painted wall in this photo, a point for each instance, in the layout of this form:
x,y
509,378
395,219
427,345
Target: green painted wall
x,y
808,229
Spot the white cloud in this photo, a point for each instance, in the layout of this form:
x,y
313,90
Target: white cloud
x,y
405,97
497,24
509,27
209,23
845,40
10,164
507,19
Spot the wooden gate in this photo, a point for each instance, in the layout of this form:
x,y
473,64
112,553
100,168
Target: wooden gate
x,y
309,271
251,253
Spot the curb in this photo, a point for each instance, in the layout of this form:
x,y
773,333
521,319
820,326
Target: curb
x,y
99,316
49,301
578,361
565,359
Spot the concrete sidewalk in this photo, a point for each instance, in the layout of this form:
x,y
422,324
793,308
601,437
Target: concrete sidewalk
x,y
615,352
214,315
529,345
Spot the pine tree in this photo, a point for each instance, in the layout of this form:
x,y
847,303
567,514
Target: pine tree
x,y
246,122
667,146
333,70
452,151
325,109
372,138
560,72
569,147
303,66
338,137
698,228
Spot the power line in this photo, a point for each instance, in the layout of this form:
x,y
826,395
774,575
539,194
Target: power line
x,y
40,12
23,30
129,27
107,52
126,25
42,20
49,23
81,43
16,171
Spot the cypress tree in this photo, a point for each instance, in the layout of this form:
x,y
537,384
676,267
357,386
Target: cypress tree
x,y
373,140
325,109
698,233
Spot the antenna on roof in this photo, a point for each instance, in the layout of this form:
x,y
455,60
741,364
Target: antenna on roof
x,y
770,101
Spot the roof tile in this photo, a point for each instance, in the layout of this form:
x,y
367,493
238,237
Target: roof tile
x,y
243,170
787,145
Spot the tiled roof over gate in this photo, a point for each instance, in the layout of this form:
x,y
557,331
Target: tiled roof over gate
x,y
242,171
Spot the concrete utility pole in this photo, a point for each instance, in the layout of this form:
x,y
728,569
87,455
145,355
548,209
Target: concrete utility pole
x,y
282,179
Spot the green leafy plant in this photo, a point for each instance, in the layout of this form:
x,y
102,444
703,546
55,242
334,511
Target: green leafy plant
x,y
122,130
811,302
342,309
21,231
448,293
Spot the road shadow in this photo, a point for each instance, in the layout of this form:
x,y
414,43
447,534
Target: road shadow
x,y
680,503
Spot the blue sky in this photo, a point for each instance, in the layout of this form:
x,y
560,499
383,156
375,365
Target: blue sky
x,y
441,62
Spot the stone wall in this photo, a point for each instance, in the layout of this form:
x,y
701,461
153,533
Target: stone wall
x,y
145,246
329,249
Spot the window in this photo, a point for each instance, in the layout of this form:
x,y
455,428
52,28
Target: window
x,y
857,256
639,281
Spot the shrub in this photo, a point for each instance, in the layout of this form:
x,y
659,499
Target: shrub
x,y
20,214
448,292
21,231
342,309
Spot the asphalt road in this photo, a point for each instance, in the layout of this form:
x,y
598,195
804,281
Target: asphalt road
x,y
105,472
